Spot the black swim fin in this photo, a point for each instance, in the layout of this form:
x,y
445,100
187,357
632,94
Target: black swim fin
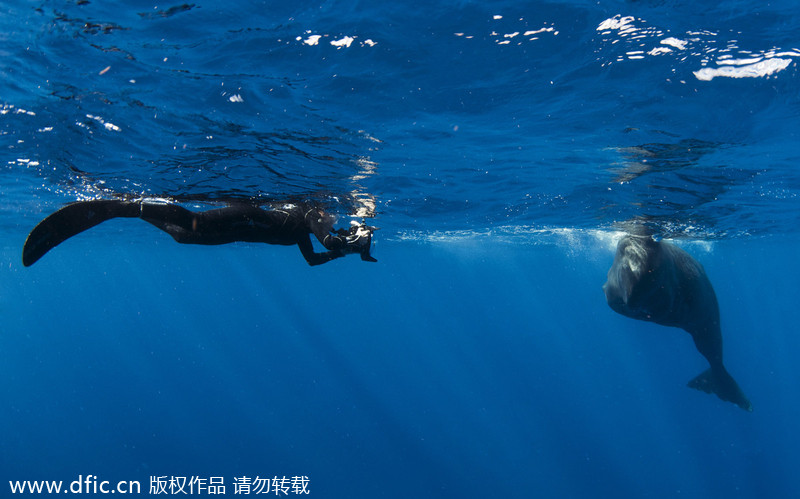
x,y
73,219
722,384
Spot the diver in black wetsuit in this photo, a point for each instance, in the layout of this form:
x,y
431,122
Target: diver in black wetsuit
x,y
285,224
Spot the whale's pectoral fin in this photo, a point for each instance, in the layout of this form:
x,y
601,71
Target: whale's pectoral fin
x,y
70,220
722,384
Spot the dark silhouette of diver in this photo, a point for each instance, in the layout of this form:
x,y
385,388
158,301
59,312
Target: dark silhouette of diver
x,y
278,223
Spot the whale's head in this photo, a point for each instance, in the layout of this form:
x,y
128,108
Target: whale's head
x,y
632,264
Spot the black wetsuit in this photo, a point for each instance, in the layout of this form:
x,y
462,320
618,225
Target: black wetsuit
x,y
284,224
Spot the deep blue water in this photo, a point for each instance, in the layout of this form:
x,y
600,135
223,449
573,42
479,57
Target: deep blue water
x,y
499,146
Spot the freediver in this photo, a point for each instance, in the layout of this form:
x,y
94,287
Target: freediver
x,y
278,223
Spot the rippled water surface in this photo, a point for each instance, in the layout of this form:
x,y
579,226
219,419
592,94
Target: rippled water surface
x,y
446,116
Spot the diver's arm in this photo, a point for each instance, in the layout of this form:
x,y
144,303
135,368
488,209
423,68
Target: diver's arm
x,y
321,225
307,249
